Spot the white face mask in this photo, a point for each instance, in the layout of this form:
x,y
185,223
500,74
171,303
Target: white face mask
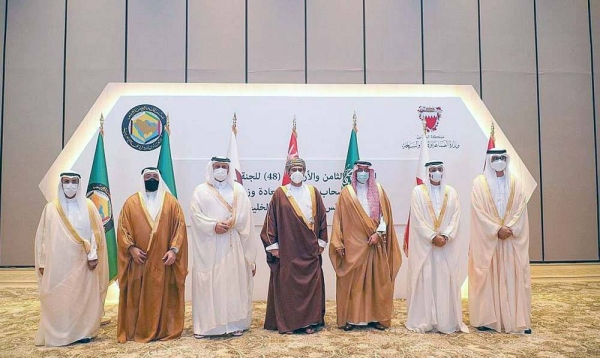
x,y
70,190
220,174
362,177
297,177
436,177
499,165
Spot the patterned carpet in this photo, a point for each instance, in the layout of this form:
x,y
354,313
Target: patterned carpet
x,y
566,318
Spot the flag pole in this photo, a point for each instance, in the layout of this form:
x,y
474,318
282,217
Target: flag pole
x,y
234,125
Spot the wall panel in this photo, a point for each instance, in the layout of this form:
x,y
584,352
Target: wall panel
x,y
32,119
567,136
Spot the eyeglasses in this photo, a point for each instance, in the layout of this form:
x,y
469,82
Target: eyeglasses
x,y
496,158
296,169
436,169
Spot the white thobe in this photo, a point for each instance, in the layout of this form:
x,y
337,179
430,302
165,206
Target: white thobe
x,y
301,195
499,277
71,295
434,302
222,282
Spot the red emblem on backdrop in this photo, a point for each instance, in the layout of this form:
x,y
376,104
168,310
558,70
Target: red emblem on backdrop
x,y
431,116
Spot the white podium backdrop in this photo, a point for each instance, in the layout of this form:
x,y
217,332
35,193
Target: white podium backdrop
x,y
389,135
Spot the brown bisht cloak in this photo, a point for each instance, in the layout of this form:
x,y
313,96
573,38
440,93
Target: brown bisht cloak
x,y
152,300
296,296
366,275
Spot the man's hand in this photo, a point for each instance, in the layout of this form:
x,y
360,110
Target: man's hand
x,y
169,258
41,269
439,241
275,253
321,250
139,256
373,240
222,227
253,270
92,264
405,248
504,233
341,251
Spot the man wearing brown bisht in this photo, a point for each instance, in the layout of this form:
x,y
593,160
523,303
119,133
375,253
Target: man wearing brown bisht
x,y
152,250
364,252
294,235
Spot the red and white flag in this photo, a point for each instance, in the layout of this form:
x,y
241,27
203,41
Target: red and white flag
x,y
491,144
420,179
232,152
292,153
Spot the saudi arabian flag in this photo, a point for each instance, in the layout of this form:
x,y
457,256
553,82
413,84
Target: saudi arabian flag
x,y
351,157
165,163
99,193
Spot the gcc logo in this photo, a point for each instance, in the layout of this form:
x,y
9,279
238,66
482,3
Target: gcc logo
x,y
142,127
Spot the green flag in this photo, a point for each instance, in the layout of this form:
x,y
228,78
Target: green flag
x,y
165,163
99,193
351,157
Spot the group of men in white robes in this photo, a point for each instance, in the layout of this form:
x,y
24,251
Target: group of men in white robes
x,y
71,259
498,268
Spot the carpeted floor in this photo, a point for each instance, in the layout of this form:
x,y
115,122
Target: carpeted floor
x,y
566,323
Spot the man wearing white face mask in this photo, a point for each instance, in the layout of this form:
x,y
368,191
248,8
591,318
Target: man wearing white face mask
x,y
364,252
223,252
433,301
72,266
152,249
499,278
294,235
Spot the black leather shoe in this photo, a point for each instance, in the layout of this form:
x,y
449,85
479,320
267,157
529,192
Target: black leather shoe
x,y
84,340
483,329
378,326
348,327
527,331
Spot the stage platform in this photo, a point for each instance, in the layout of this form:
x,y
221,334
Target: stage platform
x,y
565,323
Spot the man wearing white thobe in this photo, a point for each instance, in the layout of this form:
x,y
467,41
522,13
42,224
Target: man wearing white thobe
x,y
433,301
71,266
223,254
499,277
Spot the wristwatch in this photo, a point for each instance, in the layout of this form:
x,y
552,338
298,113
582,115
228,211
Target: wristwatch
x,y
175,250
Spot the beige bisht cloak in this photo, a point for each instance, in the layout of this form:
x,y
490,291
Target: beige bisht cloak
x,y
367,273
499,277
152,300
433,302
71,295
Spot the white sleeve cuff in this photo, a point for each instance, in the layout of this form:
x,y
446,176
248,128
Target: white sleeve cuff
x,y
93,255
433,236
382,225
322,243
274,246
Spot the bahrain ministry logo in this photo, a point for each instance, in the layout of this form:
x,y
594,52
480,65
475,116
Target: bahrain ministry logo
x,y
431,116
100,196
143,126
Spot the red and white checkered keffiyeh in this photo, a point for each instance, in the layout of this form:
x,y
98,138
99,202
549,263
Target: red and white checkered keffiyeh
x,y
372,193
